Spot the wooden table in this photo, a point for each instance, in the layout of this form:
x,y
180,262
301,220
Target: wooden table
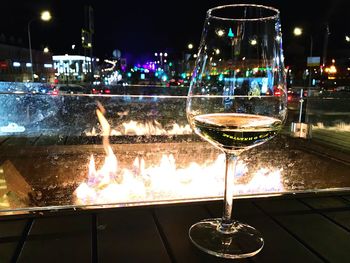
x,y
299,228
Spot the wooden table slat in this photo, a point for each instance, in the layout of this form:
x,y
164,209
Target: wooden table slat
x,y
58,239
282,205
13,228
7,250
346,197
326,238
325,202
129,236
11,233
61,225
340,217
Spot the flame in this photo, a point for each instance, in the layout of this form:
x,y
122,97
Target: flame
x,y
146,128
164,180
108,172
106,128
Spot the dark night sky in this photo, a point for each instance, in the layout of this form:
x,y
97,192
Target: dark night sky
x,y
138,27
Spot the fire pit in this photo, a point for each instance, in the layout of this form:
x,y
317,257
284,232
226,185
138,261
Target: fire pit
x,y
96,151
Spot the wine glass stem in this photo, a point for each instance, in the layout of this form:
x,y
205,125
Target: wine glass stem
x,y
231,161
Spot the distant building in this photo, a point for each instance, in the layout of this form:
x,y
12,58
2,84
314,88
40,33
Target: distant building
x,y
15,65
72,68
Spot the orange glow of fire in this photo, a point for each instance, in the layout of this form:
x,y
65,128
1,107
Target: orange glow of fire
x,y
165,180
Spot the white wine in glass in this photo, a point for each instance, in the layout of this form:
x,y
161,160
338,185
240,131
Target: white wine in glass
x,y
237,100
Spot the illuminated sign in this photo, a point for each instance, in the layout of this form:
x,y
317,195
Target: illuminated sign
x,y
313,61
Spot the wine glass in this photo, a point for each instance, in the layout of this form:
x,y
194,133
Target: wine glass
x,y
237,100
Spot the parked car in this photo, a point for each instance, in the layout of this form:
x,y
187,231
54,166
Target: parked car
x,y
40,89
174,83
343,89
100,90
64,89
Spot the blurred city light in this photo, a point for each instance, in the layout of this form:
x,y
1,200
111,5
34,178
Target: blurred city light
x,y
174,67
332,69
230,33
45,15
253,42
297,31
220,32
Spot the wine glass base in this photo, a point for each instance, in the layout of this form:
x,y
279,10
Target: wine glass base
x,y
239,241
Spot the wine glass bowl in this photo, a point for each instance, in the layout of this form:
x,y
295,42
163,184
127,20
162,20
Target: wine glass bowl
x,y
237,100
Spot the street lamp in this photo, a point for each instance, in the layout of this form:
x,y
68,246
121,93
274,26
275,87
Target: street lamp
x,y
298,32
253,42
162,57
44,16
220,32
